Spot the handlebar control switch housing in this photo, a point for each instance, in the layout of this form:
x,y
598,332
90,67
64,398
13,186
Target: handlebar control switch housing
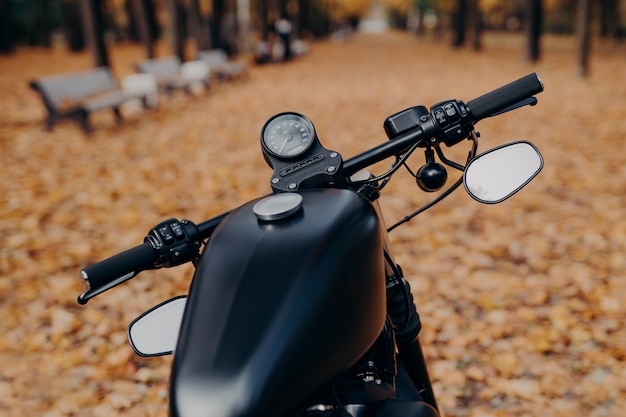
x,y
447,122
404,121
452,119
175,242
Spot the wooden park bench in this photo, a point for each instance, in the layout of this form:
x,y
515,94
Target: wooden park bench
x,y
76,95
221,66
172,75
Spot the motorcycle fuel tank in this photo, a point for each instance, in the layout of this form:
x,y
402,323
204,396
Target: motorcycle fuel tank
x,y
280,306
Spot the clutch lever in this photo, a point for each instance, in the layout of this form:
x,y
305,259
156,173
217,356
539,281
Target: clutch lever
x,y
530,101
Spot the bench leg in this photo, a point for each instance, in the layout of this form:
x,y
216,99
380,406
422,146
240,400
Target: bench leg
x,y
51,121
118,115
82,117
145,102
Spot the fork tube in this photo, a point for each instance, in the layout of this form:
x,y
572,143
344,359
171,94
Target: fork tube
x,y
412,354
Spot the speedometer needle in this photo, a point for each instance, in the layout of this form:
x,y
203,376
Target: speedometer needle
x,y
288,138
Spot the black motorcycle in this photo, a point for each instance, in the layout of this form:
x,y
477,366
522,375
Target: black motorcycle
x,y
297,307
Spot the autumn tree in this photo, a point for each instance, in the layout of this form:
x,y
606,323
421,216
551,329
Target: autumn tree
x,y
217,37
6,41
262,12
71,24
458,23
140,14
303,26
534,18
93,27
475,24
609,19
583,35
198,25
175,12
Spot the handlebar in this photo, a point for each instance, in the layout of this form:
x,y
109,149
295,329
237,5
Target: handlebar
x,y
174,242
170,243
448,121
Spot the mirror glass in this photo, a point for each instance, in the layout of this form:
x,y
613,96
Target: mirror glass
x,y
499,173
155,332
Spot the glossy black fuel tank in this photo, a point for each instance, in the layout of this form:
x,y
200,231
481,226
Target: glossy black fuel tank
x,y
278,308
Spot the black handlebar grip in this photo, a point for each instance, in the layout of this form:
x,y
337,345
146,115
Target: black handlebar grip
x,y
505,96
110,272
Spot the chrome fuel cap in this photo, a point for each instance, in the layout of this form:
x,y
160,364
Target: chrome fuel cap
x,y
278,206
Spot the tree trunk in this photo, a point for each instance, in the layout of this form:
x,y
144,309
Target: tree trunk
x,y
198,26
303,28
534,18
39,24
243,24
476,24
72,26
142,23
45,29
216,29
282,9
458,39
584,36
264,25
609,18
6,40
93,27
177,29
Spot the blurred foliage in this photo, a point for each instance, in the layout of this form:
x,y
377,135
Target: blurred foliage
x,y
26,18
344,9
31,22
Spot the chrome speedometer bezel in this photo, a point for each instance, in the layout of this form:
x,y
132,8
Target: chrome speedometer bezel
x,y
277,146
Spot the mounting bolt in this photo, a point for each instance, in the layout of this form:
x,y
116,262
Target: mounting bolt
x,y
275,180
331,169
424,118
293,186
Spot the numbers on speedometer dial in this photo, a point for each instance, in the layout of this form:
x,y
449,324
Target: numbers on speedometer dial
x,y
288,135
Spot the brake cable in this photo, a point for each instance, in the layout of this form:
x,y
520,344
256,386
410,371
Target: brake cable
x,y
473,137
400,161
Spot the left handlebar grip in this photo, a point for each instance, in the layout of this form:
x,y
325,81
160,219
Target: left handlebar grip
x,y
119,268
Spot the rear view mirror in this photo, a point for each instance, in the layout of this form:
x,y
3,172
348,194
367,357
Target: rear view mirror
x,y
155,332
499,173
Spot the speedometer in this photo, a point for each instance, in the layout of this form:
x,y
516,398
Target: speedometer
x,y
288,135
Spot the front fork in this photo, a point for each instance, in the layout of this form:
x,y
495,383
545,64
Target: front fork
x,y
405,319
412,354
407,325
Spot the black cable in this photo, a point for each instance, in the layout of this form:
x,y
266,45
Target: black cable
x,y
407,299
446,193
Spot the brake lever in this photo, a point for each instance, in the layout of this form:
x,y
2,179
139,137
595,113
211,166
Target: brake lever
x,y
530,101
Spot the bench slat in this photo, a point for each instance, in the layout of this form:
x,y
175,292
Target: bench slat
x,y
171,74
106,100
60,88
220,64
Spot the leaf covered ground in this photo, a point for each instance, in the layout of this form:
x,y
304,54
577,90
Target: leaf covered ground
x,y
522,303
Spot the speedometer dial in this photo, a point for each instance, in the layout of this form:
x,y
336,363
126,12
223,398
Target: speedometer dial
x,y
288,135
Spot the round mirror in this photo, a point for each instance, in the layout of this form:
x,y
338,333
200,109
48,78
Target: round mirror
x,y
155,332
499,173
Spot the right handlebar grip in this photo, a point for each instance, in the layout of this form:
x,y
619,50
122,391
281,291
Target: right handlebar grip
x,y
505,96
110,272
